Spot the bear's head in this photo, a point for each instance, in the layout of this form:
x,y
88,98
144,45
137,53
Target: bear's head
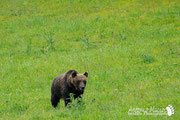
x,y
79,81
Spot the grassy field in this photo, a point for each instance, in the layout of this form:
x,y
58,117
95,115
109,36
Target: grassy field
x,y
130,48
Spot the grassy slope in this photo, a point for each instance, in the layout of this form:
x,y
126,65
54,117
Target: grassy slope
x,y
130,49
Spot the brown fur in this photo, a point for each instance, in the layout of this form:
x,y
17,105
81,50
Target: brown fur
x,y
63,85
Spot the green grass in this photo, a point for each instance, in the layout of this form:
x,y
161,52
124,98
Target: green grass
x,y
130,49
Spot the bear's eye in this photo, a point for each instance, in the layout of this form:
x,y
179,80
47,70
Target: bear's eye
x,y
85,82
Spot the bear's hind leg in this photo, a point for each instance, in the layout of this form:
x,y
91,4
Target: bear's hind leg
x,y
54,100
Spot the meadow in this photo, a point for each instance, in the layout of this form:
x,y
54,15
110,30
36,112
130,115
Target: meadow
x,y
130,49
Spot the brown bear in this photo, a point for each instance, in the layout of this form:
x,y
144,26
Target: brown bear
x,y
64,84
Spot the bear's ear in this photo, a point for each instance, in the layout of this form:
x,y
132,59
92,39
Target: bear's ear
x,y
74,74
86,74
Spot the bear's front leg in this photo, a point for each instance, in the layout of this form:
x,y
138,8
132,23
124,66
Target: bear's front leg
x,y
79,99
67,100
